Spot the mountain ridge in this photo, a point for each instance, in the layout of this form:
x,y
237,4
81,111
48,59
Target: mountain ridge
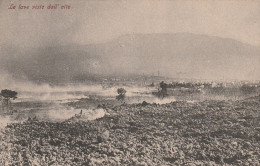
x,y
199,56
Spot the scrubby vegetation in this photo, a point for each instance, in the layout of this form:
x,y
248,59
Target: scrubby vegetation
x,y
209,90
121,94
6,95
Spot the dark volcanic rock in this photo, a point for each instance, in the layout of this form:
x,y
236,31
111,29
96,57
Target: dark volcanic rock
x,y
179,133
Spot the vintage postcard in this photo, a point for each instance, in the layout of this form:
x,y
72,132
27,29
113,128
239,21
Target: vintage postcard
x,y
129,82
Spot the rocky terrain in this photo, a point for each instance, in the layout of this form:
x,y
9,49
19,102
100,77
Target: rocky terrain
x,y
178,133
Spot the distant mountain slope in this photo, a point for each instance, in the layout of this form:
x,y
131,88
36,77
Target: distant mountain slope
x,y
196,55
176,55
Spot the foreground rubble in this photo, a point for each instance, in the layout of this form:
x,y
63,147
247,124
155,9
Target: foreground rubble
x,y
179,133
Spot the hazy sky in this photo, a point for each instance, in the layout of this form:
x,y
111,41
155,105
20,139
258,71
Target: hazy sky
x,y
98,21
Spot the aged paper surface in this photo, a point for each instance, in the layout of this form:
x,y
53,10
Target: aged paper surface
x,y
129,82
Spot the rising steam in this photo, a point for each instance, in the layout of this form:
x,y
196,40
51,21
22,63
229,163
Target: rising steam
x,y
65,114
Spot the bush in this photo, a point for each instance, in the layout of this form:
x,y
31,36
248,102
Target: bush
x,y
6,95
121,94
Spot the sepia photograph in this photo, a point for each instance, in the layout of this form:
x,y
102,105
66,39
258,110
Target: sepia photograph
x,y
129,82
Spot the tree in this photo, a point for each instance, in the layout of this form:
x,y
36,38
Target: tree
x,y
163,92
6,95
121,94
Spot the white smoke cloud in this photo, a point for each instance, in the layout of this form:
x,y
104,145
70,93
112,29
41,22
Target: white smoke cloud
x,y
4,121
65,114
30,91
